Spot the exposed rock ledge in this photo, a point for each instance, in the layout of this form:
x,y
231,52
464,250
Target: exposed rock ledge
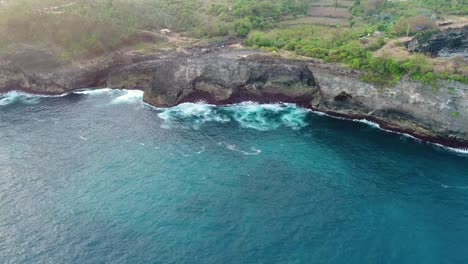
x,y
231,75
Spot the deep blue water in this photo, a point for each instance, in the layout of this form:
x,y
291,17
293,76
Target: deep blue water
x,y
100,177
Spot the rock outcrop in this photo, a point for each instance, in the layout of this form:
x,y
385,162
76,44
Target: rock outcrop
x,y
230,78
438,114
221,76
448,43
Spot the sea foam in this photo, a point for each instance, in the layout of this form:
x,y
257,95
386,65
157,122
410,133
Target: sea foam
x,y
262,117
128,97
18,97
375,125
94,91
121,96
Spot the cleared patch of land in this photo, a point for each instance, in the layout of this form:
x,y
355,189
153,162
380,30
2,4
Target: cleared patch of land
x,y
341,3
326,13
320,11
324,21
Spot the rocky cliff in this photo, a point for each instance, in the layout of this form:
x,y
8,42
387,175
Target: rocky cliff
x,y
438,114
222,76
451,42
217,76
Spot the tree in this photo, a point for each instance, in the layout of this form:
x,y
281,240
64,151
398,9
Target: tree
x,y
243,27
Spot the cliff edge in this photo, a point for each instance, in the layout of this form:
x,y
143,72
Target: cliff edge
x,y
223,75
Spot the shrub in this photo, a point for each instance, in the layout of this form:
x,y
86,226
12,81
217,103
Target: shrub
x,y
410,26
243,27
376,43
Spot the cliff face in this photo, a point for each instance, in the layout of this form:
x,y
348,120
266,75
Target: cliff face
x,y
220,76
438,114
225,76
230,78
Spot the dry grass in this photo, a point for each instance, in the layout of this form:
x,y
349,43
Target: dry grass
x,y
339,3
394,49
338,12
325,21
455,22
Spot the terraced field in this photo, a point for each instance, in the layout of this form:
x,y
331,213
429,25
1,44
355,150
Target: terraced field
x,y
325,13
308,20
339,3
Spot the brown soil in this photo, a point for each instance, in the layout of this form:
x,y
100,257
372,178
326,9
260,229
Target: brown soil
x,y
330,12
324,21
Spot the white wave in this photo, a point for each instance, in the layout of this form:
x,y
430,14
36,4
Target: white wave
x,y
373,124
262,117
253,115
129,97
83,138
186,110
195,114
367,122
203,149
123,96
295,118
253,151
456,150
454,187
15,96
266,117
93,91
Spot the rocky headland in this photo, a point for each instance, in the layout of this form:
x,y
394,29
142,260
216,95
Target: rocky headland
x,y
229,75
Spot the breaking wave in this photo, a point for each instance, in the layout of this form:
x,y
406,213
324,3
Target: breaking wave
x,y
18,97
262,117
128,97
376,125
122,96
232,147
95,91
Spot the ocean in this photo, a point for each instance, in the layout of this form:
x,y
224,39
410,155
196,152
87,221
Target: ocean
x,y
97,176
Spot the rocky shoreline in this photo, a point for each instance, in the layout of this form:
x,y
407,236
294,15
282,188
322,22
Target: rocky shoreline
x,y
227,75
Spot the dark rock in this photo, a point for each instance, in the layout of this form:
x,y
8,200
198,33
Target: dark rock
x,y
228,77
448,43
343,97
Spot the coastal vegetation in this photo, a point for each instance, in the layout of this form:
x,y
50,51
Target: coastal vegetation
x,y
353,33
345,46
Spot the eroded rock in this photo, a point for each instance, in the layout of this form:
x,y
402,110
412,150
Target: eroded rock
x,y
448,43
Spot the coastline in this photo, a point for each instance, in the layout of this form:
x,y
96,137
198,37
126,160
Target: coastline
x,y
455,145
224,76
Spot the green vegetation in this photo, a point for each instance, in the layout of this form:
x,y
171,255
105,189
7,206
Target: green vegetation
x,y
88,26
78,28
345,46
83,27
406,17
253,14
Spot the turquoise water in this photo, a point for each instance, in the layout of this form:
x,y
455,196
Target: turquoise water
x,y
100,177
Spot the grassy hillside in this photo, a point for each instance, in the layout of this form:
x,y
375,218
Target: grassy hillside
x,y
371,38
96,26
362,34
